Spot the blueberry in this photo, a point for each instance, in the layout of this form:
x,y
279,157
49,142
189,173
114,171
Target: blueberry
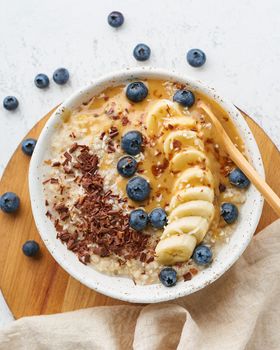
x,y
10,103
41,81
238,178
158,218
168,276
137,91
131,142
141,52
9,202
138,219
115,19
229,212
30,248
28,146
61,76
138,189
202,255
184,97
196,57
127,166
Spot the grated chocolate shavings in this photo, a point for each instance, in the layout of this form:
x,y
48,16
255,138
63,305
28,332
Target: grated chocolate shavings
x,y
73,147
61,188
48,214
102,135
143,257
100,229
56,164
150,259
68,156
53,181
67,170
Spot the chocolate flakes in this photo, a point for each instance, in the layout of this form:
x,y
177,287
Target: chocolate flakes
x,y
53,181
73,147
101,228
56,164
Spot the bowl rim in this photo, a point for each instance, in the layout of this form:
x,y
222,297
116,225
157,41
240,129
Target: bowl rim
x,y
119,77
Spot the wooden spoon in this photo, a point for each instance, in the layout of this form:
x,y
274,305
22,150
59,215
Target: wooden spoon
x,y
269,195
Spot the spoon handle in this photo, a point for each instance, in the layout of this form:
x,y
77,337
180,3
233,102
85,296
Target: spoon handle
x,y
238,158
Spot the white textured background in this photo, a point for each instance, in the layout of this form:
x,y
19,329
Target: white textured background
x,y
240,37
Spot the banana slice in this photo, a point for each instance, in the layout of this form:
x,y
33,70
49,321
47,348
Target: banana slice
x,y
175,249
192,225
186,138
194,175
188,157
203,193
193,208
163,109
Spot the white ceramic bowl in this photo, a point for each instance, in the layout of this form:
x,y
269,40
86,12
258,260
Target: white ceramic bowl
x,y
121,287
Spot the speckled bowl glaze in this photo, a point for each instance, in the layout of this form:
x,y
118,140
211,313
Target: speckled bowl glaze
x,y
121,287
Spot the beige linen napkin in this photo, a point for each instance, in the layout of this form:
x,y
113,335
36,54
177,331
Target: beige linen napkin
x,y
239,311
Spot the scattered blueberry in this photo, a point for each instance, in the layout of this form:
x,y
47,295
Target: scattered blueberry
x,y
138,219
9,202
127,166
41,81
141,52
136,91
131,142
229,212
196,57
184,97
61,76
158,218
202,255
28,146
168,276
115,19
10,103
238,178
30,248
138,189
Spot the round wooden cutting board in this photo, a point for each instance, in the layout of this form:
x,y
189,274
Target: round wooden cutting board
x,y
41,286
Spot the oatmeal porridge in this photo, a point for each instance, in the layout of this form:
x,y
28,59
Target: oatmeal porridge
x,y
137,183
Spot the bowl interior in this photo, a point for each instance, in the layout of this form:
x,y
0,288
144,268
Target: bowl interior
x,y
121,287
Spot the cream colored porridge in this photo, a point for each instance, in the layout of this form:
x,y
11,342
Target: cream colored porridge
x,y
182,161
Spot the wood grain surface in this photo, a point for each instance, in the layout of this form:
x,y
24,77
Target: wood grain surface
x,y
39,286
